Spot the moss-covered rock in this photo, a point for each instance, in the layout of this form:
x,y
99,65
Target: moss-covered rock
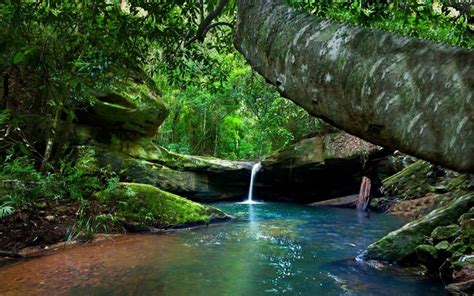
x,y
212,180
412,182
442,245
147,206
467,232
466,216
427,254
444,232
401,243
457,247
130,104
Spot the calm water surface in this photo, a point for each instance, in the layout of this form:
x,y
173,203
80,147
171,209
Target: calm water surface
x,y
272,249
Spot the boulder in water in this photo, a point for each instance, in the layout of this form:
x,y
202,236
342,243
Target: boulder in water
x,y
400,244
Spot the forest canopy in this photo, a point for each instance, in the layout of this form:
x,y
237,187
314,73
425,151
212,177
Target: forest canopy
x,y
218,105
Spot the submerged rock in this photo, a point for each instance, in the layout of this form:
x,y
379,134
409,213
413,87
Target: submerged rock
x,y
145,206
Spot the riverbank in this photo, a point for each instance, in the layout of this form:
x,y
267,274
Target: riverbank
x,y
270,247
129,207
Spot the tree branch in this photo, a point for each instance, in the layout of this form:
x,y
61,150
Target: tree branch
x,y
206,25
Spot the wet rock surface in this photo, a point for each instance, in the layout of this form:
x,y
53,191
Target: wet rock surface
x,y
320,168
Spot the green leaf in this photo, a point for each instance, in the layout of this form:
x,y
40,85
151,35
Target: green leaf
x,y
19,57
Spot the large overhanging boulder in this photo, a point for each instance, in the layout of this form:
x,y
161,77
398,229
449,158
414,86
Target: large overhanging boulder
x,y
394,91
130,105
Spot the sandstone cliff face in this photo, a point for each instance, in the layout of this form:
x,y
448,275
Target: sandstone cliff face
x,y
322,167
116,134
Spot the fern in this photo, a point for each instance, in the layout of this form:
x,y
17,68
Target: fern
x,y
6,210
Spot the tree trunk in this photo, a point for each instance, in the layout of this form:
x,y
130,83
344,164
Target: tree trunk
x,y
50,142
363,199
395,91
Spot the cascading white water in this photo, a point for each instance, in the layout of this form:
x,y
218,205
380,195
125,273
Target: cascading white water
x,y
256,167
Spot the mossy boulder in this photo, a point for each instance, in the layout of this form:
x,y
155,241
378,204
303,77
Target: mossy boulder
x,y
466,216
147,206
130,104
467,232
414,181
444,232
457,248
442,246
427,255
400,244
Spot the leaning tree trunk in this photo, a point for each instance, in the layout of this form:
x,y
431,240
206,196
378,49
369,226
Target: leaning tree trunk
x,y
395,91
363,199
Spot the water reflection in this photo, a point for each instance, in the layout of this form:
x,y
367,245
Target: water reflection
x,y
275,249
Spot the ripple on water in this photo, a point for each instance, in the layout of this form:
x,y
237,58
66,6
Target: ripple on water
x,y
278,249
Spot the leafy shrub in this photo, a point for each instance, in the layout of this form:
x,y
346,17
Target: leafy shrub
x,y
21,184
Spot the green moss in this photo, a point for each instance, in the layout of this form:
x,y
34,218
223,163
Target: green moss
x,y
412,182
444,232
426,254
467,232
129,104
466,216
457,248
400,244
441,246
147,205
461,182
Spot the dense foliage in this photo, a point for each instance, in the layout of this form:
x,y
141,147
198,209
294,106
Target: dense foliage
x,y
55,56
237,116
450,22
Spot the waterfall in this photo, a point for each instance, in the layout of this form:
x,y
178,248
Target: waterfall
x,y
256,167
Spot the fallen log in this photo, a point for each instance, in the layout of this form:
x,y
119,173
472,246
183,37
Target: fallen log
x,y
341,202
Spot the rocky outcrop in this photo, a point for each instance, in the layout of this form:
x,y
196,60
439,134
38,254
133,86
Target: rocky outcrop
x,y
441,238
442,241
400,244
320,168
130,104
196,178
419,188
116,134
